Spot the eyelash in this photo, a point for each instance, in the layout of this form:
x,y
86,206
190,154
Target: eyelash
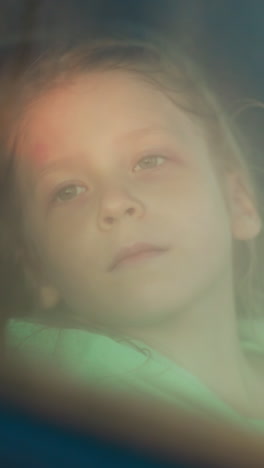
x,y
76,186
154,156
64,189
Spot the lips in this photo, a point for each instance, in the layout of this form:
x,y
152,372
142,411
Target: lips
x,y
135,251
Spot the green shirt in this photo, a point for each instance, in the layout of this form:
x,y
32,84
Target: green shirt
x,y
101,360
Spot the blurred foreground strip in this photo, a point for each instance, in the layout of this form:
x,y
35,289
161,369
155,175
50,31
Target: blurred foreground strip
x,y
139,424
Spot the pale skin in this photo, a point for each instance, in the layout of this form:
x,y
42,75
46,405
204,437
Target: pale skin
x,y
108,161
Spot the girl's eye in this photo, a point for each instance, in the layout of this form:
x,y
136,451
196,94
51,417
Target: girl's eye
x,y
150,162
68,193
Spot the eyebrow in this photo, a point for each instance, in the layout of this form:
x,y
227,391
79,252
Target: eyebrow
x,y
145,131
56,164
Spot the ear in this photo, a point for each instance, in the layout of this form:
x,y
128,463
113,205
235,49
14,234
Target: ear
x,y
46,296
244,217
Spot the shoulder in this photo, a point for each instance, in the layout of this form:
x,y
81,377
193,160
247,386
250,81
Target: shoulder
x,y
23,335
79,350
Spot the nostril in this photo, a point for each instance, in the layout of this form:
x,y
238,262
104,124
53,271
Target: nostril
x,y
131,211
109,220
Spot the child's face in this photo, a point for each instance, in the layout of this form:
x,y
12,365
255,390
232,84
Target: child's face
x,y
108,162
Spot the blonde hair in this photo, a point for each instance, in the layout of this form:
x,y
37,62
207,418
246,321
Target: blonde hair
x,y
164,67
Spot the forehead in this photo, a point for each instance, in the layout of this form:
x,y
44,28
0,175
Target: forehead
x,y
98,108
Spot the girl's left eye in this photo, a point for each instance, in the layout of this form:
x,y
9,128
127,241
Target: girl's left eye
x,y
69,192
150,162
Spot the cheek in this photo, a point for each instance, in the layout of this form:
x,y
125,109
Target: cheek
x,y
196,211
65,247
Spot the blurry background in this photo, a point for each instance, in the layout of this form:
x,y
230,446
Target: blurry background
x,y
227,35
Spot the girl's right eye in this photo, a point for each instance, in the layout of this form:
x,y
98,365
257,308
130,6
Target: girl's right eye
x,y
69,192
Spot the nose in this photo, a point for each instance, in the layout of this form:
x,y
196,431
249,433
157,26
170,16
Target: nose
x,y
117,204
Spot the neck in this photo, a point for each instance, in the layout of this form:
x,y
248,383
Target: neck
x,y
204,340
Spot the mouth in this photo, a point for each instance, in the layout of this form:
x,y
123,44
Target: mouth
x,y
135,253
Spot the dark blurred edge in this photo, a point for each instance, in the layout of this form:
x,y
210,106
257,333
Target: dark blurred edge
x,y
26,440
41,410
